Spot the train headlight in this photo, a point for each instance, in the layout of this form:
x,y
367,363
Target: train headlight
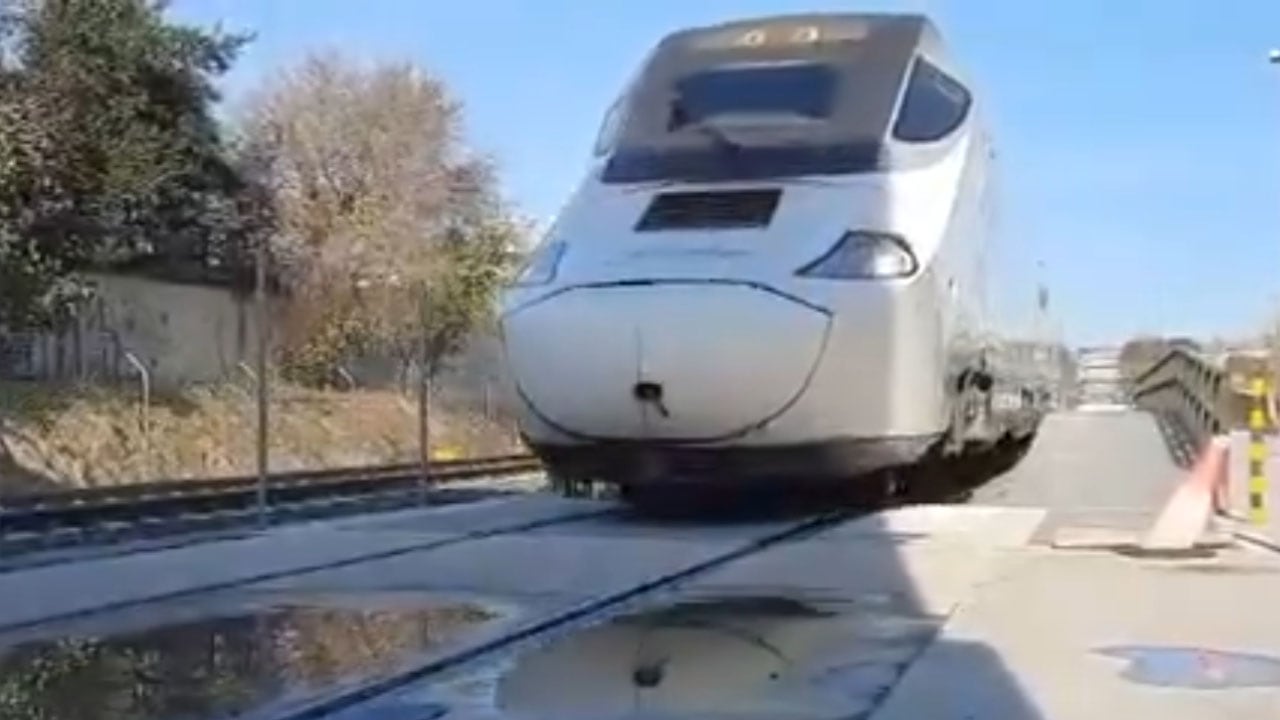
x,y
864,255
541,266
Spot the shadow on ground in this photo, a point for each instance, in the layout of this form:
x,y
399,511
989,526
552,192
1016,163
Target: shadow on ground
x,y
762,656
788,498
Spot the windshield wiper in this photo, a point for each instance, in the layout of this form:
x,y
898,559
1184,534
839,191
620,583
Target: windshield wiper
x,y
717,134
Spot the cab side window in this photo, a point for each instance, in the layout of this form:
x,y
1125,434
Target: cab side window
x,y
933,107
609,127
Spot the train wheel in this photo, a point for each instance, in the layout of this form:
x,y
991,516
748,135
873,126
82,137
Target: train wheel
x,y
637,495
895,484
973,422
984,429
660,501
932,480
568,484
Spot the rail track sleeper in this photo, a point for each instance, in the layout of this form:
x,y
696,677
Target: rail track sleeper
x,y
188,486
94,513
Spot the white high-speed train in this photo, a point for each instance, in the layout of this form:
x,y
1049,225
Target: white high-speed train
x,y
776,266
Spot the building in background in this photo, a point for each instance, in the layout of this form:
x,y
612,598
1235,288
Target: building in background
x,y
1100,380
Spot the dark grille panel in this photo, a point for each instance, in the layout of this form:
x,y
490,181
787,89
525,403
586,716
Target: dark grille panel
x,y
710,210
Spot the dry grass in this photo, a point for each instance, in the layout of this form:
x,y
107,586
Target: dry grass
x,y
90,436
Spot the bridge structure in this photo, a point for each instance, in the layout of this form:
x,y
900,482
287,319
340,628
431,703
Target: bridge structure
x,y
1100,380
1028,594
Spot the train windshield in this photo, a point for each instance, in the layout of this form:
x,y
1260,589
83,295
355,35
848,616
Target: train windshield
x,y
755,94
704,111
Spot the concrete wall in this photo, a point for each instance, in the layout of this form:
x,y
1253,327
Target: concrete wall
x,y
182,332
188,333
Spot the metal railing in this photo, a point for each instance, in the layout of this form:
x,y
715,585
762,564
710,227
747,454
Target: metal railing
x,y
1204,398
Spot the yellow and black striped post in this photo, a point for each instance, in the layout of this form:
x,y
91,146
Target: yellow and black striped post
x,y
1258,453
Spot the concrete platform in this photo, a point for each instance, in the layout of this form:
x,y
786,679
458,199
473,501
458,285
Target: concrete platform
x,y
918,612
843,614
1087,635
41,595
935,612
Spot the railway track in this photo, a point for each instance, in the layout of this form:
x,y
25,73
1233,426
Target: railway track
x,y
172,505
366,698
541,628
538,627
356,694
419,545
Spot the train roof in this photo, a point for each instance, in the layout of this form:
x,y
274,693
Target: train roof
x,y
761,36
832,80
868,56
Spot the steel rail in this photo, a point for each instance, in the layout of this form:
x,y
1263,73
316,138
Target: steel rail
x,y
42,512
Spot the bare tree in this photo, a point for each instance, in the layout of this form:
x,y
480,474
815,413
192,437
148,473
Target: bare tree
x,y
388,230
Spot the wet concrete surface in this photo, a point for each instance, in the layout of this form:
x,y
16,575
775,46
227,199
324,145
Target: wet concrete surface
x,y
235,658
539,573
741,656
1195,667
734,656
820,628
1088,635
915,612
227,662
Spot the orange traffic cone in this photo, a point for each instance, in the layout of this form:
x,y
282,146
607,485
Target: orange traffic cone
x,y
1186,516
1222,482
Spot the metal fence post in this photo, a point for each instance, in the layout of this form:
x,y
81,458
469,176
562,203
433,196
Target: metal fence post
x,y
264,338
424,432
347,377
144,376
248,371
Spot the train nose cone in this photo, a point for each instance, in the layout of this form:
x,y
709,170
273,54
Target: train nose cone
x,y
669,361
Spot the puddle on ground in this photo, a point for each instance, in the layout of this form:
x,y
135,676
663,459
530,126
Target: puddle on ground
x,y
1194,667
726,657
221,666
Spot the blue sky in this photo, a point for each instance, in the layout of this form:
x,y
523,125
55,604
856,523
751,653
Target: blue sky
x,y
1140,139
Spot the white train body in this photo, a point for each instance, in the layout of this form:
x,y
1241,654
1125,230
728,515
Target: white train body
x,y
789,281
